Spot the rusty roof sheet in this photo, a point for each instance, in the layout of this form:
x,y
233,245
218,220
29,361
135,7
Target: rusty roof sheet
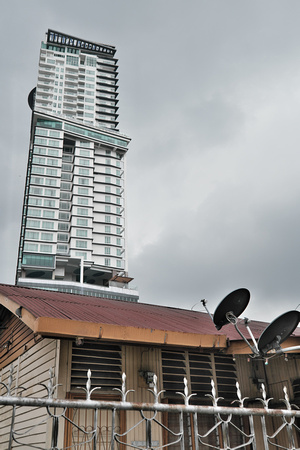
x,y
42,303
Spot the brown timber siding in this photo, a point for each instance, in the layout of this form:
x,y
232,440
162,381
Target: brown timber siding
x,y
15,337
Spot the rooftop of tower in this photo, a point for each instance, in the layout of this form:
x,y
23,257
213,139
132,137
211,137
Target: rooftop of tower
x,y
57,37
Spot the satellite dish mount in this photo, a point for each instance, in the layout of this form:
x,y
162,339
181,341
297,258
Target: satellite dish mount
x,y
234,304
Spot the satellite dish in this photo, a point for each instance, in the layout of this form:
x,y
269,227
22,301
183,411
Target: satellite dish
x,y
278,331
235,303
31,98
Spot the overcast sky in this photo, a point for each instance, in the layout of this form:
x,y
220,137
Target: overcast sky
x,y
210,95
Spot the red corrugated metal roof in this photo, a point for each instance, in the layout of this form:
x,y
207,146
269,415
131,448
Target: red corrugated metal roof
x,y
42,303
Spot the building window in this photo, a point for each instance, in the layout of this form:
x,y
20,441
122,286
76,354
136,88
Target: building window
x,y
81,244
35,190
35,201
66,176
83,181
108,189
107,219
84,172
51,172
107,261
84,162
66,167
41,132
62,237
49,203
119,242
107,229
72,60
81,233
38,170
52,162
46,248
107,239
53,133
38,260
31,235
65,195
39,151
83,191
37,180
49,214
118,220
34,212
81,254
64,216
65,205
83,152
82,211
119,263
65,186
83,201
30,247
50,192
48,225
53,143
107,208
82,222
61,248
62,226
107,250
46,236
107,179
40,141
50,182
33,223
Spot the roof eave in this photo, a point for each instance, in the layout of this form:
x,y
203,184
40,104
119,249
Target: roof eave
x,y
67,328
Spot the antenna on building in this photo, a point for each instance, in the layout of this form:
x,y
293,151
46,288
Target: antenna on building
x,y
234,304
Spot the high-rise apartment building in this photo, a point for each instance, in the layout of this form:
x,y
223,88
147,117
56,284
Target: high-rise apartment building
x,y
73,233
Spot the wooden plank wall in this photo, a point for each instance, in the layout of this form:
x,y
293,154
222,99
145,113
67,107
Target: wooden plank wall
x,y
135,359
30,369
279,372
15,337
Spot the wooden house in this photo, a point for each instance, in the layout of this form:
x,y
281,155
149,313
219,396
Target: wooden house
x,y
42,330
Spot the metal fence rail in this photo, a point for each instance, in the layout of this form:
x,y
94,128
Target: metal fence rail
x,y
226,428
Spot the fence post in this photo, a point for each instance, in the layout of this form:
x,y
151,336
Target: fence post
x,y
195,418
11,436
148,434
181,430
95,428
113,429
54,433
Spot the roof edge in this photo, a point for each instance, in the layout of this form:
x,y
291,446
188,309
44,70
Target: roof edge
x,y
27,318
47,326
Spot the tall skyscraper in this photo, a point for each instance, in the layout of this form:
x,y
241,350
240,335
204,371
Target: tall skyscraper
x,y
73,233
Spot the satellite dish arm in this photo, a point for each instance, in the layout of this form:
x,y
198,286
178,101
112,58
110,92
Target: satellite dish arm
x,y
203,301
233,320
287,349
246,321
